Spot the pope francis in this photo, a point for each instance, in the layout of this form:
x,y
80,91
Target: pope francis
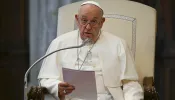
x,y
106,54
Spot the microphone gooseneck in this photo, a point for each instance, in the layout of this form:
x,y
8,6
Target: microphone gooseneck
x,y
85,42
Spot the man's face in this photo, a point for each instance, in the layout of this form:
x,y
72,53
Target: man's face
x,y
89,21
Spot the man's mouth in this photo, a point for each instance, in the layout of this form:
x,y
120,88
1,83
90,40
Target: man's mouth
x,y
87,33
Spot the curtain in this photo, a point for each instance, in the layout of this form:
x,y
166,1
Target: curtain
x,y
42,30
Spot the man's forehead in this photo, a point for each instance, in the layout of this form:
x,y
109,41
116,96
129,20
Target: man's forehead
x,y
84,16
90,8
90,14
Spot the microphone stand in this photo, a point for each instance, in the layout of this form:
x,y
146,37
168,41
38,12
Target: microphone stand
x,y
27,72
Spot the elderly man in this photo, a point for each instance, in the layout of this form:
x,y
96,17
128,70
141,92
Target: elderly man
x,y
107,55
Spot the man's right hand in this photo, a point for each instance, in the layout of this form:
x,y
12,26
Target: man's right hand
x,y
64,89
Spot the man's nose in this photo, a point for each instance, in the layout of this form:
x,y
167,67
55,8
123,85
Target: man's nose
x,y
88,26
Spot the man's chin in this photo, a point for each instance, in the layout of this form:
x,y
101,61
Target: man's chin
x,y
91,40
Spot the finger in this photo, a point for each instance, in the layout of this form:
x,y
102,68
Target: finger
x,y
63,84
61,88
66,92
65,89
67,85
70,88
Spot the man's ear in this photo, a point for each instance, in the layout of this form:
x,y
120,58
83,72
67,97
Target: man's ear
x,y
76,18
76,23
102,21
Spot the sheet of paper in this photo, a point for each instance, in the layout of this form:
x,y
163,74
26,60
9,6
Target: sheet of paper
x,y
84,82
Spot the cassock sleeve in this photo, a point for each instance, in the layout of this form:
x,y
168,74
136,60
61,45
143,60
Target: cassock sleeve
x,y
51,85
132,90
50,74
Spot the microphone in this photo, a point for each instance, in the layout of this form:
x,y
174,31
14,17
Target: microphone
x,y
85,42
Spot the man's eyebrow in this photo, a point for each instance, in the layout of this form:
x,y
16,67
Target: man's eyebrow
x,y
83,16
95,18
86,17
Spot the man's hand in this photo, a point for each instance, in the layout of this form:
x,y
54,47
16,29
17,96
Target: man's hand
x,y
127,81
64,89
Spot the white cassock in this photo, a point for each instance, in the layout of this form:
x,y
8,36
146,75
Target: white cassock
x,y
109,57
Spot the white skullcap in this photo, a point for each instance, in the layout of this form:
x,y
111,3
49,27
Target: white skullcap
x,y
93,3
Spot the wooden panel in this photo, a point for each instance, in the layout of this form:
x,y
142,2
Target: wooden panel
x,y
13,48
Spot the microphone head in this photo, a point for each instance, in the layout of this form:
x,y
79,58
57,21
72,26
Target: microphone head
x,y
87,41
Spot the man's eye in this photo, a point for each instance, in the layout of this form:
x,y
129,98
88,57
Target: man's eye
x,y
94,21
84,20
